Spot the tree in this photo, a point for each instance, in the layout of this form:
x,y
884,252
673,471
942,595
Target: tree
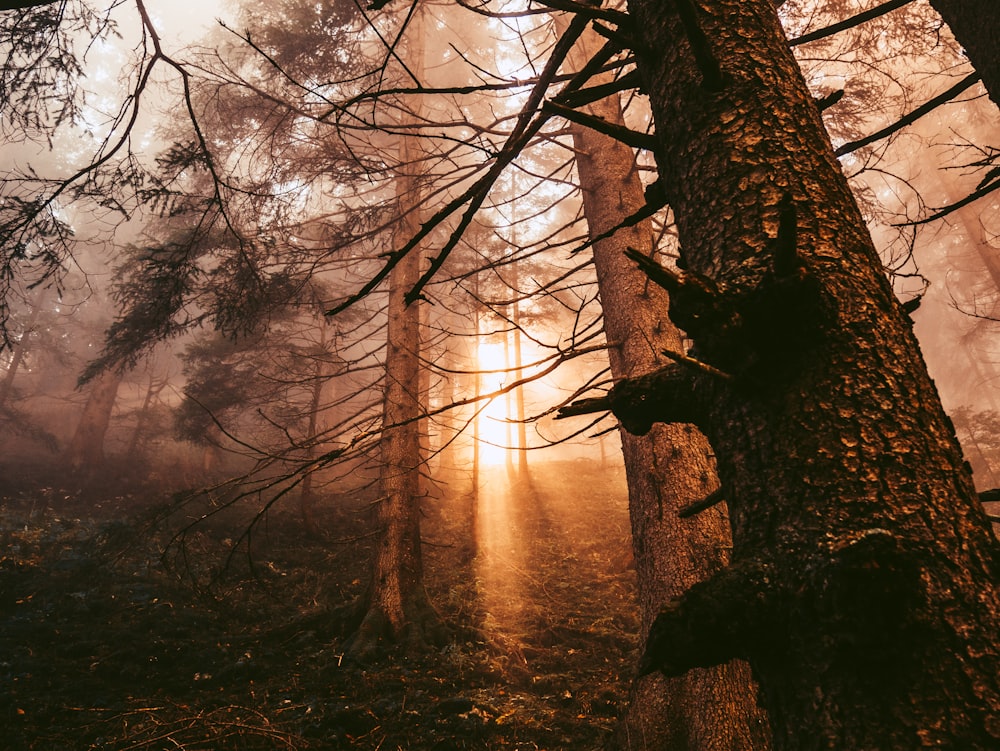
x,y
396,605
18,350
976,26
861,583
667,469
862,586
85,453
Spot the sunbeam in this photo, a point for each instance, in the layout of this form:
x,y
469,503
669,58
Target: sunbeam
x,y
493,426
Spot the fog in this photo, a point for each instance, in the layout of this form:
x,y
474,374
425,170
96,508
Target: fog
x,y
58,328
230,175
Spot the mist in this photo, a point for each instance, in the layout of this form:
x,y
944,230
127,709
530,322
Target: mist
x,y
300,307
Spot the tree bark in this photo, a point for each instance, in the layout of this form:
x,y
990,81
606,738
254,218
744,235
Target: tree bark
x,y
307,496
85,453
398,609
976,26
669,468
862,585
19,349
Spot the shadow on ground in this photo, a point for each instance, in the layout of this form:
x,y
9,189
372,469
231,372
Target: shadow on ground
x,y
106,644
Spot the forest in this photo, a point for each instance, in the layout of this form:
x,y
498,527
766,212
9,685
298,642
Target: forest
x,y
500,374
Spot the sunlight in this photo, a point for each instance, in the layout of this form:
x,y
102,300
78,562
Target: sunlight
x,y
492,428
510,61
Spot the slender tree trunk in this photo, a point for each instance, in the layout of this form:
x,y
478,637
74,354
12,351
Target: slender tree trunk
x,y
478,390
153,390
508,407
449,454
398,609
667,469
519,407
17,356
307,497
16,359
862,586
85,453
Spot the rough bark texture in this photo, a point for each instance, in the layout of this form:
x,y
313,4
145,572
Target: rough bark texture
x,y
85,452
398,609
976,26
862,586
671,467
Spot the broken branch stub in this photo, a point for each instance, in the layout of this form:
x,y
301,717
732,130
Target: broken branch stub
x,y
670,394
712,622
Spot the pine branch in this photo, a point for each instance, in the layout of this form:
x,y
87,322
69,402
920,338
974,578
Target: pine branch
x,y
696,365
676,283
946,210
945,96
713,621
712,76
618,132
712,499
855,20
655,200
826,102
584,407
591,94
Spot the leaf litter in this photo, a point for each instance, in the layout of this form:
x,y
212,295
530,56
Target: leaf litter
x,y
108,644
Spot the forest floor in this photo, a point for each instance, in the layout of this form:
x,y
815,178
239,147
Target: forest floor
x,y
107,643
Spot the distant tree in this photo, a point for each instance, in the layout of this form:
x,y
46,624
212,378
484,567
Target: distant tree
x,y
85,452
979,432
18,350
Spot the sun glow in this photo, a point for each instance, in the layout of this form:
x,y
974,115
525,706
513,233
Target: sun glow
x,y
493,427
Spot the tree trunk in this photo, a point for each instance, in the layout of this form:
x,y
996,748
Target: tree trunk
x,y
477,391
518,395
976,26
398,609
667,469
138,440
17,357
862,581
19,349
85,453
307,496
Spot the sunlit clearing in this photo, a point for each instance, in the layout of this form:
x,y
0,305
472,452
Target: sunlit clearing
x,y
492,427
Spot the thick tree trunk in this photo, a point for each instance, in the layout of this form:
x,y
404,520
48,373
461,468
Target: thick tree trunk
x,y
862,583
85,453
671,467
976,26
